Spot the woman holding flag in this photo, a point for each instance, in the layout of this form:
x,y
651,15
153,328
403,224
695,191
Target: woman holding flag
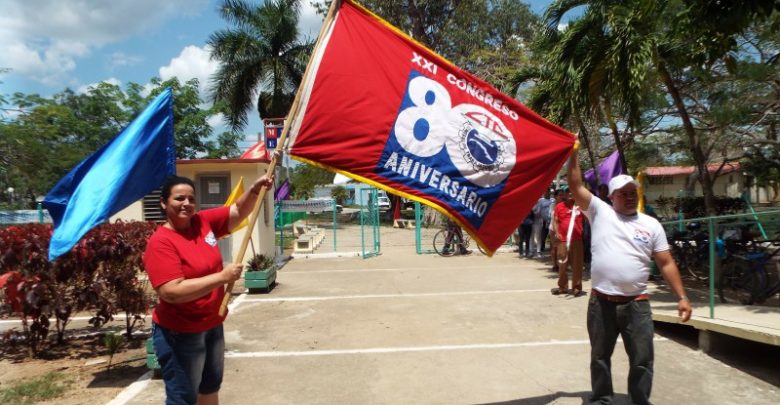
x,y
185,268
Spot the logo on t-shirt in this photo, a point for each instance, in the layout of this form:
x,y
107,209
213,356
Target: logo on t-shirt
x,y
642,236
210,239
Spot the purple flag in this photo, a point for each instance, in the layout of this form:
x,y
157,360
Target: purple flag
x,y
608,169
283,191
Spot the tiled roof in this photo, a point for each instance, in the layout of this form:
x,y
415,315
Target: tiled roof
x,y
678,170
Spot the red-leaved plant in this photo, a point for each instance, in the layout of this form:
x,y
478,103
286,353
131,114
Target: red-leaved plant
x,y
99,274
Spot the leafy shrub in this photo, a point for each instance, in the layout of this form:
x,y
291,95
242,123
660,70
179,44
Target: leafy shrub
x,y
99,274
259,262
113,343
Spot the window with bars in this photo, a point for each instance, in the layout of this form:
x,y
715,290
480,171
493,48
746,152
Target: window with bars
x,y
660,179
151,207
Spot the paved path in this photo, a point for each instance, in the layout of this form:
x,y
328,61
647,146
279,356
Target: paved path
x,y
403,328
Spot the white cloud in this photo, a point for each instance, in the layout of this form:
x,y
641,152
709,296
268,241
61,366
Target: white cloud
x,y
216,121
192,63
44,39
118,59
309,22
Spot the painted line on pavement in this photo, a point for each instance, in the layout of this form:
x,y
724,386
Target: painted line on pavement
x,y
385,350
236,302
427,268
132,390
77,318
373,296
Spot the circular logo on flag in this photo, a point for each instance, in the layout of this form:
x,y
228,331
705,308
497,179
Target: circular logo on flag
x,y
484,150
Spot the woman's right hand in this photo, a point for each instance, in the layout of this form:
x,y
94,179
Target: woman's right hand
x,y
232,272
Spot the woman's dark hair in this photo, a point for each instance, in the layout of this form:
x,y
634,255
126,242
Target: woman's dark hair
x,y
172,181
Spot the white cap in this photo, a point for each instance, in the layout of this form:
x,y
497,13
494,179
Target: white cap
x,y
621,181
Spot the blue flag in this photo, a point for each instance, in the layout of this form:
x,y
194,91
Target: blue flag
x,y
124,170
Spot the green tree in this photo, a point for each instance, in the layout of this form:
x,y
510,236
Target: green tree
x,y
304,177
225,147
486,37
190,126
261,58
622,49
340,194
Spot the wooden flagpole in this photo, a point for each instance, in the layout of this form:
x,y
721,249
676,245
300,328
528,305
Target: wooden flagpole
x,y
334,5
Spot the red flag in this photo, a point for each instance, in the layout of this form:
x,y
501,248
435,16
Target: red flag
x,y
256,151
381,108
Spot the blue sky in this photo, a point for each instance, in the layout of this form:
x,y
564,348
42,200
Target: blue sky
x,y
53,44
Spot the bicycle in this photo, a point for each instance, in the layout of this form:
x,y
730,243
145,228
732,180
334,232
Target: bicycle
x,y
744,277
690,249
450,241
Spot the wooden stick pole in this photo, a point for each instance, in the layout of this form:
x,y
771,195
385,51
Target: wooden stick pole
x,y
277,154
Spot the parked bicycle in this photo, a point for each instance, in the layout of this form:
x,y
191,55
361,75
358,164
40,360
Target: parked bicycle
x,y
451,240
690,249
744,277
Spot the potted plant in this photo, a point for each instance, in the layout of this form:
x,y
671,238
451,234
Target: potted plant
x,y
260,274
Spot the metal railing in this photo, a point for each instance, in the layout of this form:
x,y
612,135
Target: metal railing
x,y
767,223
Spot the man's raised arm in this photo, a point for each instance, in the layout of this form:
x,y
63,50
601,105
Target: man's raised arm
x,y
578,191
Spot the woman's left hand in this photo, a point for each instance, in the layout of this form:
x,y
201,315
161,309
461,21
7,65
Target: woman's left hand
x,y
263,181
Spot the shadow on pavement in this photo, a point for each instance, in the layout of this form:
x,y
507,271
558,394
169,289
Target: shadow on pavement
x,y
756,359
552,398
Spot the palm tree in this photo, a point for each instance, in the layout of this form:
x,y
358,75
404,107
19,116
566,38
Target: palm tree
x,y
557,93
622,50
261,58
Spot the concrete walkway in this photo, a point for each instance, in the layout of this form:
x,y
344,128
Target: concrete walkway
x,y
404,328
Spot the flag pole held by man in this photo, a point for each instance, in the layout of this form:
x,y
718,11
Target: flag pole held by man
x,y
381,108
124,170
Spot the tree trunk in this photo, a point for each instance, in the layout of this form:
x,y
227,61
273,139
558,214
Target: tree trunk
x,y
694,142
615,134
585,138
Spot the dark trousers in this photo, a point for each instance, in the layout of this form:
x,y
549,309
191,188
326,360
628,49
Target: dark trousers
x,y
524,245
543,236
633,321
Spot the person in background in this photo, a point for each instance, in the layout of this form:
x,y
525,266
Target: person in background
x,y
454,238
526,233
649,210
554,242
624,244
185,268
541,225
568,228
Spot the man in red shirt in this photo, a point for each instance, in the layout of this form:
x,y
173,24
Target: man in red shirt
x,y
568,229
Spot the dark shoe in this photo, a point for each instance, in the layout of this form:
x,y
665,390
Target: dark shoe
x,y
558,291
577,293
465,252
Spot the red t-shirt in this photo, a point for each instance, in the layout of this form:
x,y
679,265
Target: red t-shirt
x,y
563,214
191,254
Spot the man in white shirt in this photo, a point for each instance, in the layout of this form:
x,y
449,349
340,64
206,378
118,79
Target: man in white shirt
x,y
541,223
623,244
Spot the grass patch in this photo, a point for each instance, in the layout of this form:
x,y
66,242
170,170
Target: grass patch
x,y
38,389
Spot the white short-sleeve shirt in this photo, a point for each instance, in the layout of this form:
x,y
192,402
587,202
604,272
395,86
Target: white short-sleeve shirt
x,y
622,248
